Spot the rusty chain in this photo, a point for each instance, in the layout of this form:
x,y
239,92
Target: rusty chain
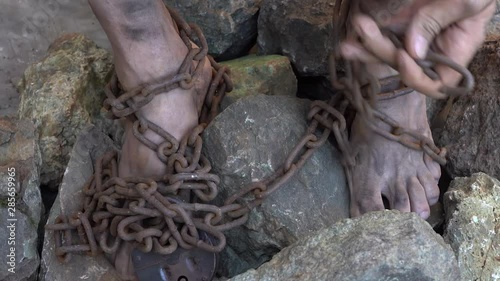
x,y
164,213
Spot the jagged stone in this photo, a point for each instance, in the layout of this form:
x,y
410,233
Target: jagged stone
x,y
493,28
386,245
302,30
248,142
253,75
472,207
471,130
91,144
62,94
230,26
20,163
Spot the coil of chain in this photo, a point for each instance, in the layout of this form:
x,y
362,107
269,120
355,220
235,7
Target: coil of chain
x,y
147,211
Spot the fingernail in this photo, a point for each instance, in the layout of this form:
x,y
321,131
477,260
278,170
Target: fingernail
x,y
420,46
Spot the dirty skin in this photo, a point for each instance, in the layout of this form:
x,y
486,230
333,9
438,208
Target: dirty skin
x,y
146,47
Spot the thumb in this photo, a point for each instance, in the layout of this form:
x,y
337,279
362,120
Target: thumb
x,y
432,18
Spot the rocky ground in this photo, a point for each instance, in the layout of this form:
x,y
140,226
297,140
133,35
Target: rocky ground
x,y
52,128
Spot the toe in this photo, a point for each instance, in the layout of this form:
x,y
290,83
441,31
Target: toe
x,y
433,167
370,203
418,198
400,200
366,195
366,201
430,185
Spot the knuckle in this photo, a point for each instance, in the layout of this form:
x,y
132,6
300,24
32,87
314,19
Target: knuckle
x,y
429,24
401,200
473,6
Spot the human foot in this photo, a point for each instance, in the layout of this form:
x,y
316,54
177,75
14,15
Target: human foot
x,y
407,178
146,46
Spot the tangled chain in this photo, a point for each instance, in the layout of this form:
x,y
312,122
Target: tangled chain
x,y
151,212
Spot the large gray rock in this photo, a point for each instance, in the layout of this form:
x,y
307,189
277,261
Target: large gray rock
x,y
299,29
62,94
230,26
91,144
386,245
472,130
20,163
472,208
248,142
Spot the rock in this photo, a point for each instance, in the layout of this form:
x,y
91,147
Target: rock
x,y
253,75
494,26
230,26
434,107
248,142
20,161
386,245
90,144
314,88
301,30
471,132
62,94
472,208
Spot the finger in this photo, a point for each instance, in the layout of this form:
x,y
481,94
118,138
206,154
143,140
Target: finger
x,y
414,77
460,43
374,41
436,16
355,51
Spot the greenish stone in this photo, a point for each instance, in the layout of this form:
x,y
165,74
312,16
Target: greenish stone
x,y
253,75
62,94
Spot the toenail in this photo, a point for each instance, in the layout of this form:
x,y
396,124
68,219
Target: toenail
x,y
424,214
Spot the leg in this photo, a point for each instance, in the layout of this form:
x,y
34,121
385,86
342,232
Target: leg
x,y
406,177
146,46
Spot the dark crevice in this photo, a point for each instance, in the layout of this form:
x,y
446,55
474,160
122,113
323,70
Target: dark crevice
x,y
444,184
48,198
314,88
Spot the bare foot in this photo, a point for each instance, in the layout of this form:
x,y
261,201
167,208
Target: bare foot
x,y
407,178
146,46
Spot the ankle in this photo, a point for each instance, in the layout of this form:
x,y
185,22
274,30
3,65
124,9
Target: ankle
x,y
175,112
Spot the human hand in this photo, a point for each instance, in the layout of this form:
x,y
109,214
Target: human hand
x,y
453,28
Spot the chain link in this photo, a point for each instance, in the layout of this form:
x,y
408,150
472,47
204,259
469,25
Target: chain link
x,y
149,212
